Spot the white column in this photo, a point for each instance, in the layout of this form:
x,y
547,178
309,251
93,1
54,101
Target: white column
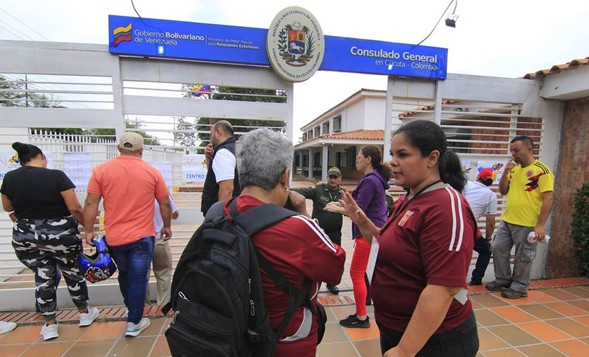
x,y
438,102
310,174
324,162
388,121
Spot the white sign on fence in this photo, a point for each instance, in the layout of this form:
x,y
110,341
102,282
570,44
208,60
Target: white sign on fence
x,y
78,167
8,162
165,168
194,168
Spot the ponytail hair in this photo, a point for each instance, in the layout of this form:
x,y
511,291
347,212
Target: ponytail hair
x,y
427,136
26,152
451,170
375,155
385,170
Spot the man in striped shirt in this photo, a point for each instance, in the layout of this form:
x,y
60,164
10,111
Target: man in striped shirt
x,y
528,184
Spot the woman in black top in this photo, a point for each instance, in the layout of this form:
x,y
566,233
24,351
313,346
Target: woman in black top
x,y
45,232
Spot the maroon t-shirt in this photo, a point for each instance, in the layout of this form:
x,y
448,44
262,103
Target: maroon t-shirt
x,y
298,249
429,242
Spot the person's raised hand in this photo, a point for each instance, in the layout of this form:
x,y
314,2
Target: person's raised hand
x,y
209,152
296,202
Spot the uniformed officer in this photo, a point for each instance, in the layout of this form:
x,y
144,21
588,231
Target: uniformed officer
x,y
322,194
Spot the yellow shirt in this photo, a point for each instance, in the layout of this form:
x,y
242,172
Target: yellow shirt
x,y
524,198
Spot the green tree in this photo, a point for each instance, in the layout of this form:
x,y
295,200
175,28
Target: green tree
x,y
184,133
147,139
14,94
108,133
11,93
203,124
104,133
580,228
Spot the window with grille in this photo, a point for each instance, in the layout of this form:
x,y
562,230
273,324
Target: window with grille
x,y
325,128
337,124
351,156
478,129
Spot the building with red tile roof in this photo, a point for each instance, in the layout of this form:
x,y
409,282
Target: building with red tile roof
x,y
480,115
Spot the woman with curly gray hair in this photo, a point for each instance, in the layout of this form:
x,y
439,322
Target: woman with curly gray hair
x,y
297,247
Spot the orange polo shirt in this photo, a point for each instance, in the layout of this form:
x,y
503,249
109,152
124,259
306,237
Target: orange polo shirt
x,y
128,186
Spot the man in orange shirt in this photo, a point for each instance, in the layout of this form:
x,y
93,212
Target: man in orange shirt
x,y
129,185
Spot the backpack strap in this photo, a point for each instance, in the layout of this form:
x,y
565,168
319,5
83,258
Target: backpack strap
x,y
255,220
260,217
296,296
216,210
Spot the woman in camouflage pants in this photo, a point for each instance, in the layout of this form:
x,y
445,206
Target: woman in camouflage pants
x,y
45,232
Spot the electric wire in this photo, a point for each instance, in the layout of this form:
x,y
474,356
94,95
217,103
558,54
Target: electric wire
x,y
15,29
438,22
32,29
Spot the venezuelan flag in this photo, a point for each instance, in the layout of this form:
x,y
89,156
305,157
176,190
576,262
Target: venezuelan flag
x,y
122,34
200,89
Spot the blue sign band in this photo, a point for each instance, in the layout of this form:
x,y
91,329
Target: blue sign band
x,y
187,40
377,57
246,45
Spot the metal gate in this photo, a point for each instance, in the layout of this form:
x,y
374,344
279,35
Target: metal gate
x,y
80,99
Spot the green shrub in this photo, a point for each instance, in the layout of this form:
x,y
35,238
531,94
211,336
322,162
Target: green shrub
x,y
580,228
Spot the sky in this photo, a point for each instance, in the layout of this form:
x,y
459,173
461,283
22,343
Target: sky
x,y
503,38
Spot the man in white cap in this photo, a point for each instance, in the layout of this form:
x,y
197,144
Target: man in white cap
x,y
129,186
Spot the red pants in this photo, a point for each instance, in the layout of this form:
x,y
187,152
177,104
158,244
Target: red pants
x,y
357,271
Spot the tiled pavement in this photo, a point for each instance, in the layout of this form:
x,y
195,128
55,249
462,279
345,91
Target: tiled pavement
x,y
549,322
552,321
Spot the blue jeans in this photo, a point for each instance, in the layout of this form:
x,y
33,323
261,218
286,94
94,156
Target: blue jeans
x,y
133,261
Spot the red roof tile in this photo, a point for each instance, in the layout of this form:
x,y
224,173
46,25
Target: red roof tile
x,y
557,68
422,108
361,134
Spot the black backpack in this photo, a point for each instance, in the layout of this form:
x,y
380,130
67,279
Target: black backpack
x,y
217,293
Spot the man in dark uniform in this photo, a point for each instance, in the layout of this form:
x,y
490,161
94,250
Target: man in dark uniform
x,y
321,195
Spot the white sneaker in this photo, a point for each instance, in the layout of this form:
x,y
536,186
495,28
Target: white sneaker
x,y
133,330
7,326
49,332
87,318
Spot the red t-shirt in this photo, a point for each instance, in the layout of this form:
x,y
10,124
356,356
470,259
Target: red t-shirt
x,y
128,185
428,242
297,248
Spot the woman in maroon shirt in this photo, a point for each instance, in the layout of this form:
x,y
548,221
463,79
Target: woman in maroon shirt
x,y
425,247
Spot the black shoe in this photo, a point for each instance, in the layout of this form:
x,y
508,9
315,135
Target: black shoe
x,y
514,294
333,289
495,286
353,321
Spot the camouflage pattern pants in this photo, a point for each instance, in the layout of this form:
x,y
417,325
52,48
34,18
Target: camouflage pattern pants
x,y
43,245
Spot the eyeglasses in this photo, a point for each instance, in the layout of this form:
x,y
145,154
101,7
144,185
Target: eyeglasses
x,y
333,176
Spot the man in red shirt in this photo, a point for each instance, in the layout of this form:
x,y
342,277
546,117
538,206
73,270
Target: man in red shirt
x,y
129,185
